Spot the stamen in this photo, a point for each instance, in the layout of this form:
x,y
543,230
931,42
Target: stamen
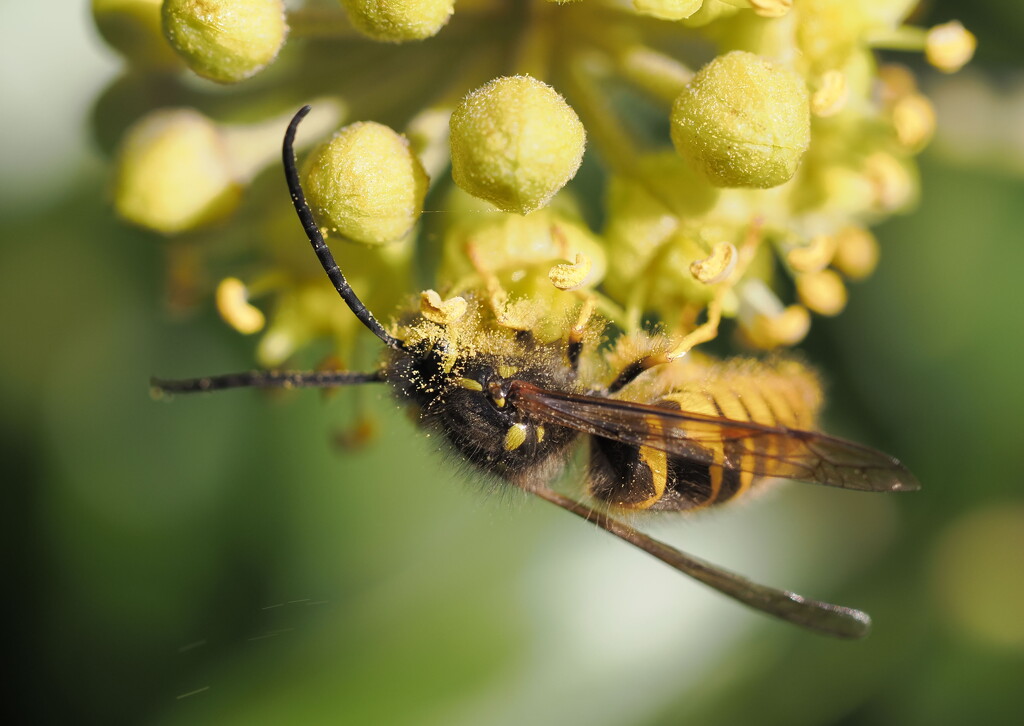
x,y
442,312
771,8
913,117
831,96
571,276
823,291
233,305
950,46
813,256
716,267
856,252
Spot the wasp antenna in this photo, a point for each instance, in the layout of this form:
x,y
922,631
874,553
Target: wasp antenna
x,y
264,379
821,617
323,253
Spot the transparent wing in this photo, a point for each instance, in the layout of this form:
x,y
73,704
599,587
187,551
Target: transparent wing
x,y
768,451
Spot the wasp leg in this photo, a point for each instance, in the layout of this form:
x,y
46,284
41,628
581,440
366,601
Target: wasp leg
x,y
820,617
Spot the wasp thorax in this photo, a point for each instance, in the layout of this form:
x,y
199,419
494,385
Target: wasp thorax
x,y
462,391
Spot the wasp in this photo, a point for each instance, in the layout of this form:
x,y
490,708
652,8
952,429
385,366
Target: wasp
x,y
663,435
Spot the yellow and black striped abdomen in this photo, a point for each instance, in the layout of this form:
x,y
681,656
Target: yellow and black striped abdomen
x,y
782,394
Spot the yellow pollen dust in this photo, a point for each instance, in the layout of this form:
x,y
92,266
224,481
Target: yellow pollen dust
x,y
470,384
233,305
515,436
717,266
571,276
442,312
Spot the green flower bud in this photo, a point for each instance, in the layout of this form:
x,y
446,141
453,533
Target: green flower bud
x,y
668,9
367,184
515,142
744,121
398,22
225,40
132,28
174,173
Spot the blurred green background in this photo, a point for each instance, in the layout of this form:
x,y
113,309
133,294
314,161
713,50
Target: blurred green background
x,y
218,561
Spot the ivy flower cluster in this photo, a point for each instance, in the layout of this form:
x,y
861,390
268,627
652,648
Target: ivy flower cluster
x,y
735,155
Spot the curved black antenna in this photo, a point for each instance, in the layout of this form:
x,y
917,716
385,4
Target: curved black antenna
x,y
323,253
265,379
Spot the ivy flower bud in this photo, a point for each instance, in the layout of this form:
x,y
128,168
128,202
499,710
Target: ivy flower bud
x,y
225,40
398,22
367,184
174,173
744,121
515,142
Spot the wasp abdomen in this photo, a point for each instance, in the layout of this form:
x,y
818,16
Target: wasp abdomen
x,y
782,395
642,477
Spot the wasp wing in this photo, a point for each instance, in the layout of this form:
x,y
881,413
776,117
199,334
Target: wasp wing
x,y
767,451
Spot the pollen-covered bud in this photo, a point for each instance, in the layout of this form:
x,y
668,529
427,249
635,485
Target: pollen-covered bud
x,y
515,142
225,40
132,28
174,173
668,9
398,22
366,184
744,121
